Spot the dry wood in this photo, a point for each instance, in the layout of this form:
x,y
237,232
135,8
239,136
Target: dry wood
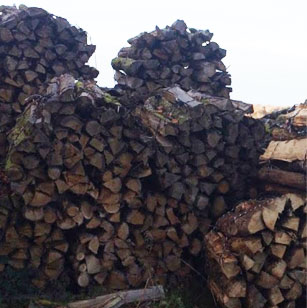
x,y
119,299
127,191
272,262
269,217
275,296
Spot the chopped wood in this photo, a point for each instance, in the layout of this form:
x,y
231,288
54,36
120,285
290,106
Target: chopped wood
x,y
271,261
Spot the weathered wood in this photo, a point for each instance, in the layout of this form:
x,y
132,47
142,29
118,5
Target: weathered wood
x,y
119,299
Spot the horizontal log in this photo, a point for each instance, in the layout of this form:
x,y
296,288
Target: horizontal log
x,y
285,178
119,299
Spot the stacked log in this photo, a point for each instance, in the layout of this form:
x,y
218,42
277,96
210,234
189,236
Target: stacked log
x,y
256,256
35,46
207,148
76,160
284,161
165,57
79,176
112,196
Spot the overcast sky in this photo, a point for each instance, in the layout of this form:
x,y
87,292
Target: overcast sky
x,y
266,40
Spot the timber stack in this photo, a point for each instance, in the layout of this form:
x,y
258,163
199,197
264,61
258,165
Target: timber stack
x,y
121,190
256,255
284,160
170,56
35,46
207,148
117,199
74,163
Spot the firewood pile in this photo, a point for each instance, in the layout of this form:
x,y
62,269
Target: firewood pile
x,y
284,161
208,148
117,196
35,46
174,55
76,160
256,255
119,187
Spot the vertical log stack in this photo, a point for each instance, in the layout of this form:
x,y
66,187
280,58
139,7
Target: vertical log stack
x,y
256,256
284,161
174,55
35,46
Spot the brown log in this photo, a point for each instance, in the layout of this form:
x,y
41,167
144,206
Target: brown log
x,y
259,259
286,282
223,298
266,280
135,217
275,296
244,225
296,257
294,293
286,178
278,250
280,189
228,263
254,298
291,223
277,268
247,262
247,245
282,238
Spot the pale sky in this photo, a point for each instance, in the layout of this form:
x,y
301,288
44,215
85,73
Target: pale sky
x,y
266,40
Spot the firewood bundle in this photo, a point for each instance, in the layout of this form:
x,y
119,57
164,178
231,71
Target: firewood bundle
x,y
284,161
208,148
256,256
174,55
35,46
